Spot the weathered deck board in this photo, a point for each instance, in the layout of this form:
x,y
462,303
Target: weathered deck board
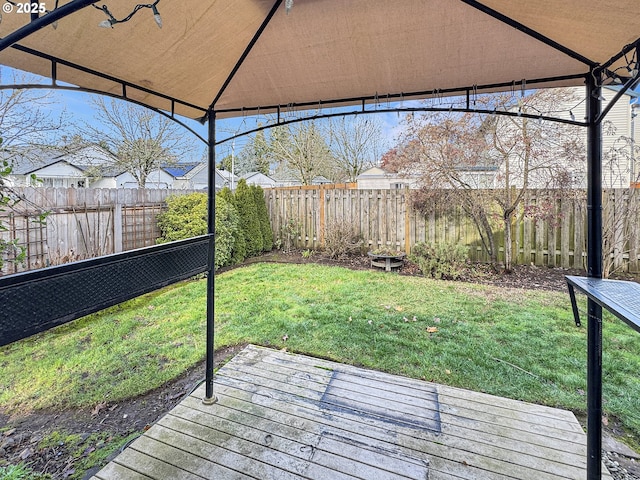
x,y
285,417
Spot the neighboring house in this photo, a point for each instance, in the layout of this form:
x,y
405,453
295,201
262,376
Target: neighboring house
x,y
194,176
93,166
158,178
621,168
320,180
260,179
225,178
479,176
284,179
180,176
619,171
59,167
107,177
619,131
376,178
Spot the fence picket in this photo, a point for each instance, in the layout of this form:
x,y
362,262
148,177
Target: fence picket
x,y
82,223
85,222
386,218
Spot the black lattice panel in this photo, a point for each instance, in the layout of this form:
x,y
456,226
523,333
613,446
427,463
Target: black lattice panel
x,y
36,301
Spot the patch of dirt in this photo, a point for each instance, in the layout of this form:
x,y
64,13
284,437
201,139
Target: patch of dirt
x,y
22,435
21,440
522,276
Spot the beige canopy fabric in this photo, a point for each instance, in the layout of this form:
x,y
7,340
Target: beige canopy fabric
x,y
320,53
237,56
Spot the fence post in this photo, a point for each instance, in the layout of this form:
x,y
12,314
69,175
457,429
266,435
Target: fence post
x,y
321,197
407,222
117,227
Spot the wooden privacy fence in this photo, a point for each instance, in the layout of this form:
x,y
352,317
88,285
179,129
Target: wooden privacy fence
x,y
81,223
386,218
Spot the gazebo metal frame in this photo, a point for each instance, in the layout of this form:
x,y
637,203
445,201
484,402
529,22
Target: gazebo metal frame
x,y
164,264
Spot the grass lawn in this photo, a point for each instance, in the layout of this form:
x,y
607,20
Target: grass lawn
x,y
513,343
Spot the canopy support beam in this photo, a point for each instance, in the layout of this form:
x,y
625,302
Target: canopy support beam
x,y
363,111
54,86
529,31
122,83
39,23
629,83
594,269
246,52
210,397
399,96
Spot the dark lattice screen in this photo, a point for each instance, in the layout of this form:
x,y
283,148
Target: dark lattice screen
x,y
35,301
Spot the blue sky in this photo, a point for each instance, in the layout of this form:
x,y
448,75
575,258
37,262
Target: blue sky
x,y
77,108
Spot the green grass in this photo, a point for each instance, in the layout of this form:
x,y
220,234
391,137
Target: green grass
x,y
517,344
115,354
20,472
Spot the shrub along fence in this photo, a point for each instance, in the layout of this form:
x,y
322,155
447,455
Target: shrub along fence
x,y
299,216
82,223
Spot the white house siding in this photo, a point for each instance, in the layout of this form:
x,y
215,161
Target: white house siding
x,y
105,182
199,179
126,180
61,175
260,179
378,183
616,172
156,179
376,178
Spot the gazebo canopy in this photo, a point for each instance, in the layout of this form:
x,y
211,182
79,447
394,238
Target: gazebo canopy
x,y
215,59
242,55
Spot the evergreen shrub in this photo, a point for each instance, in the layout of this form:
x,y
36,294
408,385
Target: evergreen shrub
x,y
263,216
249,222
186,217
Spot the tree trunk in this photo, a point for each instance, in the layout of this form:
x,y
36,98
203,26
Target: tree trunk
x,y
508,253
490,241
481,221
142,180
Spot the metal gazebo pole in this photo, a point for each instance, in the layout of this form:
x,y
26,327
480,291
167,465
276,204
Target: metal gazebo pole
x,y
594,269
210,398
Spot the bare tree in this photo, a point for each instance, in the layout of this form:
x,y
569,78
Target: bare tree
x,y
301,151
621,206
356,143
141,140
27,122
460,155
27,127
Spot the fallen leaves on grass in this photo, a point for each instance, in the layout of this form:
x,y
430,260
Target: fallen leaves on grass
x,y
432,329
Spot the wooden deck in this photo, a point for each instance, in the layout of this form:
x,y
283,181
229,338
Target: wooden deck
x,y
283,416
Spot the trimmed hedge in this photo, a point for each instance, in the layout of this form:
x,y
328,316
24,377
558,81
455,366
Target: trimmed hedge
x,y
239,250
242,222
263,217
245,204
186,217
227,231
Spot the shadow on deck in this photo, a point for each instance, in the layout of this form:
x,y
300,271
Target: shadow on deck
x,y
283,416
